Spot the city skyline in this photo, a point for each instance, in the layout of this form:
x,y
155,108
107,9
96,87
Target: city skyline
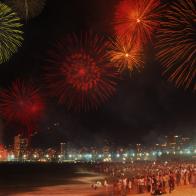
x,y
145,105
168,148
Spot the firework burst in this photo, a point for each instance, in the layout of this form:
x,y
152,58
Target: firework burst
x,y
27,8
125,55
81,75
136,19
22,104
177,43
10,33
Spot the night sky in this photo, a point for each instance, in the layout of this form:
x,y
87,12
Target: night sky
x,y
145,106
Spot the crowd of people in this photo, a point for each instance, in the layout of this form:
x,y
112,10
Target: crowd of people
x,y
154,178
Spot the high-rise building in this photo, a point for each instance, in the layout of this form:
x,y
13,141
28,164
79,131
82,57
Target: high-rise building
x,y
3,153
176,142
185,141
139,148
63,150
20,146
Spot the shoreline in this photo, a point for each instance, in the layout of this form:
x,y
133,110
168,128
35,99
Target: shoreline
x,y
79,185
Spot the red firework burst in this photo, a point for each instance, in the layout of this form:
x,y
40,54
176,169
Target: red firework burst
x,y
176,43
81,74
22,104
136,19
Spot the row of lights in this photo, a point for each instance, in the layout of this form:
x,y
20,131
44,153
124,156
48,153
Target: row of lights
x,y
89,156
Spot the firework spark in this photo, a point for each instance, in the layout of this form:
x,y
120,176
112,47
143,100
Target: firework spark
x,y
125,55
27,8
22,104
136,19
10,33
81,75
177,43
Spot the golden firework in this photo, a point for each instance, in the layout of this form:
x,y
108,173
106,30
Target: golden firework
x,y
10,33
27,8
125,55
